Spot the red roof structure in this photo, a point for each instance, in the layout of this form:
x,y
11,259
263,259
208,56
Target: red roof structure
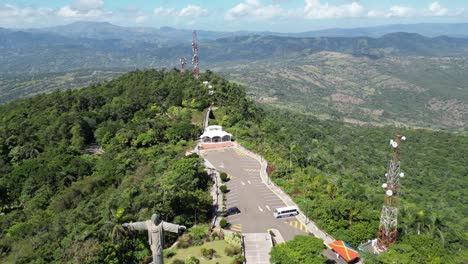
x,y
346,251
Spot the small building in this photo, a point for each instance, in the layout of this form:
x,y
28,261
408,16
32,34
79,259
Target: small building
x,y
215,134
345,251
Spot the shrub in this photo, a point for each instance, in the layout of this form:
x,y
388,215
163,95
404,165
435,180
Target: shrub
x,y
198,233
223,223
238,259
208,253
224,177
233,239
231,250
178,261
211,253
192,260
223,188
204,252
184,241
169,253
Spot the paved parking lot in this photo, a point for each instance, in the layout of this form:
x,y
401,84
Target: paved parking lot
x,y
255,200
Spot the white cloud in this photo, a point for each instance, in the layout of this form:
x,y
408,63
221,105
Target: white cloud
x,y
69,12
437,10
193,11
161,11
401,11
7,10
254,9
315,9
188,11
83,9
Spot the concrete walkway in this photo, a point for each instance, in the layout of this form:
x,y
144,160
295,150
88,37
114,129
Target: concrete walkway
x,y
257,247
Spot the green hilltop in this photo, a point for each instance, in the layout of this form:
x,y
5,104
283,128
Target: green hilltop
x,y
63,198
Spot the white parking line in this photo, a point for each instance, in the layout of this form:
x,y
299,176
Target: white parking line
x,y
268,207
242,183
249,182
260,208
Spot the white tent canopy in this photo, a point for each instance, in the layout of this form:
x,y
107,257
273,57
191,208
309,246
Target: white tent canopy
x,y
215,134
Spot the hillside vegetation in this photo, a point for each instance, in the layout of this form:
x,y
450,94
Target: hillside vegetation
x,y
393,90
61,205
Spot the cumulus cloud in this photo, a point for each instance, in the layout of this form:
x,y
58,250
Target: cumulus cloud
x,y
69,12
161,11
401,11
7,10
254,9
83,9
193,11
188,11
437,10
319,9
14,16
315,9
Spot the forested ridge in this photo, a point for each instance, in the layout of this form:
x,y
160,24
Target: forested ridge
x,y
61,205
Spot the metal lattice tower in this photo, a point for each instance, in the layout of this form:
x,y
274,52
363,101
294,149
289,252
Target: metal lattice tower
x,y
387,234
183,62
195,55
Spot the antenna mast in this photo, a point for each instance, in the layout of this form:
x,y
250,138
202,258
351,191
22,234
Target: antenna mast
x,y
195,55
387,234
183,62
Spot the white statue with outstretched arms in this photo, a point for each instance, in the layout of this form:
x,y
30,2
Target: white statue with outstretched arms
x,y
156,229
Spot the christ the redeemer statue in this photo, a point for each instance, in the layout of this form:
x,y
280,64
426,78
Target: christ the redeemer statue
x,y
156,229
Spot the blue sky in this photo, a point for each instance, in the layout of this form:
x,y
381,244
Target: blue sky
x,y
231,15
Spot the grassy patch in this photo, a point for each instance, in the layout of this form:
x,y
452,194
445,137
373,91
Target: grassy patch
x,y
218,246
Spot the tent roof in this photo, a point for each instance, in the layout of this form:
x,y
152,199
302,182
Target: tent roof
x,y
345,250
215,133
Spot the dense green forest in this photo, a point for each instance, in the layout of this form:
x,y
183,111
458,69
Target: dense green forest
x,y
60,204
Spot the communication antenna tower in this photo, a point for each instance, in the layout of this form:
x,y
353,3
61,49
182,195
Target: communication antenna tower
x,y
183,62
195,55
387,234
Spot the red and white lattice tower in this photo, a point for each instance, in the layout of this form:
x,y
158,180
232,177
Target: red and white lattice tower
x,y
183,62
387,234
195,55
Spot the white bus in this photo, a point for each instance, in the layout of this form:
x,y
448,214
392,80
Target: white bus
x,y
285,211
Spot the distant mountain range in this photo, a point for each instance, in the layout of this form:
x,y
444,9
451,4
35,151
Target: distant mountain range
x,y
101,47
397,78
170,36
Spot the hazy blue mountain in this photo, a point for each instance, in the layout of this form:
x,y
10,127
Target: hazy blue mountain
x,y
426,29
39,52
165,36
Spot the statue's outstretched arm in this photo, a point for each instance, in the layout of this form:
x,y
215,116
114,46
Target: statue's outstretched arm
x,y
173,227
136,226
